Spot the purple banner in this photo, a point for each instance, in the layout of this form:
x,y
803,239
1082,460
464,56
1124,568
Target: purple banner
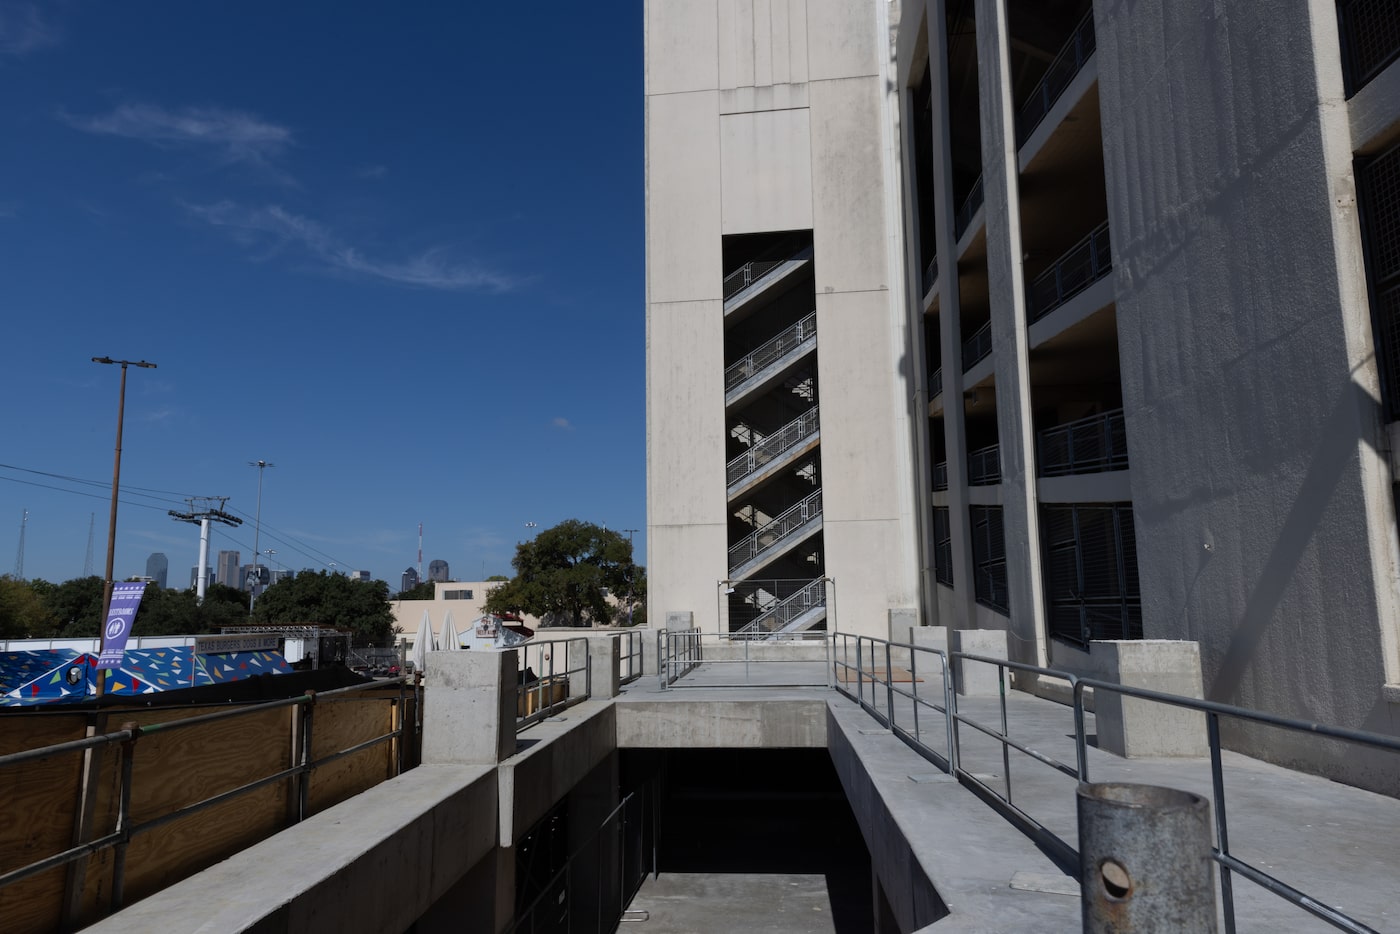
x,y
126,597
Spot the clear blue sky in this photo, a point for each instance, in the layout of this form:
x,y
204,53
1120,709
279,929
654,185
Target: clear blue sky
x,y
394,249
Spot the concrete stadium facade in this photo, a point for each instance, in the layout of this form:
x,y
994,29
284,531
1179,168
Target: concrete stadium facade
x,y
1060,318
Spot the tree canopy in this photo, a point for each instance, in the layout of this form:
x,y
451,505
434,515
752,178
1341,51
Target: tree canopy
x,y
424,591
330,600
565,574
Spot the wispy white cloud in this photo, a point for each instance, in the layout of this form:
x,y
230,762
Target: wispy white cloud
x,y
23,29
233,135
272,225
158,415
563,423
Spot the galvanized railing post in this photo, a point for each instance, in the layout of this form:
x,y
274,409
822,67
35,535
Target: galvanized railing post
x,y
1005,731
889,686
304,778
1222,833
860,673
123,816
914,688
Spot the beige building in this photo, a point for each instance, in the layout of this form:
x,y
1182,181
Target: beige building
x,y
1070,319
464,600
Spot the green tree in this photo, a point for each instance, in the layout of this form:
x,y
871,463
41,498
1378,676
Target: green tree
x,y
423,591
75,607
22,611
564,576
330,600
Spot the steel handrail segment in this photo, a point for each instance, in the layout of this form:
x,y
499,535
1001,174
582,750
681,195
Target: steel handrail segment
x,y
128,738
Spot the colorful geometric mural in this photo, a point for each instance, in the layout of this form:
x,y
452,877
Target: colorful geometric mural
x,y
59,676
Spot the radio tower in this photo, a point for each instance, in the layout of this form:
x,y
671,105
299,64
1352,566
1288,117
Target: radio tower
x,y
19,557
420,551
201,515
87,560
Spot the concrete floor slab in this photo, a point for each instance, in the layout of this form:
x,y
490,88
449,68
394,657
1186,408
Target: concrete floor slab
x,y
704,903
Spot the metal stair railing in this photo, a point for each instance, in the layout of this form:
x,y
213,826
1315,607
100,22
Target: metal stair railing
x,y
773,446
749,273
770,351
1068,63
984,466
1081,266
977,347
786,610
968,211
1087,445
777,531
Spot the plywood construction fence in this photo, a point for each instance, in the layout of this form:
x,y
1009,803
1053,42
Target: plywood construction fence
x,y
58,802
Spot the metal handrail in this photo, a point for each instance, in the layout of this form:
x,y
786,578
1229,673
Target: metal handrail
x,y
1221,853
762,453
968,211
930,274
867,650
1087,445
751,272
692,654
935,384
128,737
770,351
786,610
978,346
940,476
1073,55
630,660
984,466
775,532
678,652
538,699
1079,267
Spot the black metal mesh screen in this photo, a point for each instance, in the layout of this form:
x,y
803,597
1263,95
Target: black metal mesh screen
x,y
942,546
989,558
1380,191
1090,567
1371,35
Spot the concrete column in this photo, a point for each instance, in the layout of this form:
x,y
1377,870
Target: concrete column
x,y
950,332
604,667
1130,727
977,679
1006,280
469,707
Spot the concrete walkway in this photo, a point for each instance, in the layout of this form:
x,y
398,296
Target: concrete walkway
x,y
1336,843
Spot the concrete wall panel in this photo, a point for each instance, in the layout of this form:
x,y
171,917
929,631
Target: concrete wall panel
x,y
848,210
841,39
685,392
766,171
1264,528
682,46
867,559
684,565
683,197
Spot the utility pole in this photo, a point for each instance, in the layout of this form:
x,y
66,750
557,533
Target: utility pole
x,y
257,527
112,523
19,558
202,515
87,558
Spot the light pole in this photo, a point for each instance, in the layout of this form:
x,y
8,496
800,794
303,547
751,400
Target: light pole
x,y
257,527
722,590
831,603
112,524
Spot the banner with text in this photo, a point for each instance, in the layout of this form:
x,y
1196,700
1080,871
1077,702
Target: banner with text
x,y
126,597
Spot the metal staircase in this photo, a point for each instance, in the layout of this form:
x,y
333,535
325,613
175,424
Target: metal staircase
x,y
771,454
777,537
795,613
770,360
757,277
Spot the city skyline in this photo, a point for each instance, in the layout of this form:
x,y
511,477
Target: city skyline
x,y
335,249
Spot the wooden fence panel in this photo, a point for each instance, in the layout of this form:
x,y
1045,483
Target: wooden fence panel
x,y
338,724
38,808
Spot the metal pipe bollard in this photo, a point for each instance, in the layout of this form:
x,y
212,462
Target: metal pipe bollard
x,y
1145,859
